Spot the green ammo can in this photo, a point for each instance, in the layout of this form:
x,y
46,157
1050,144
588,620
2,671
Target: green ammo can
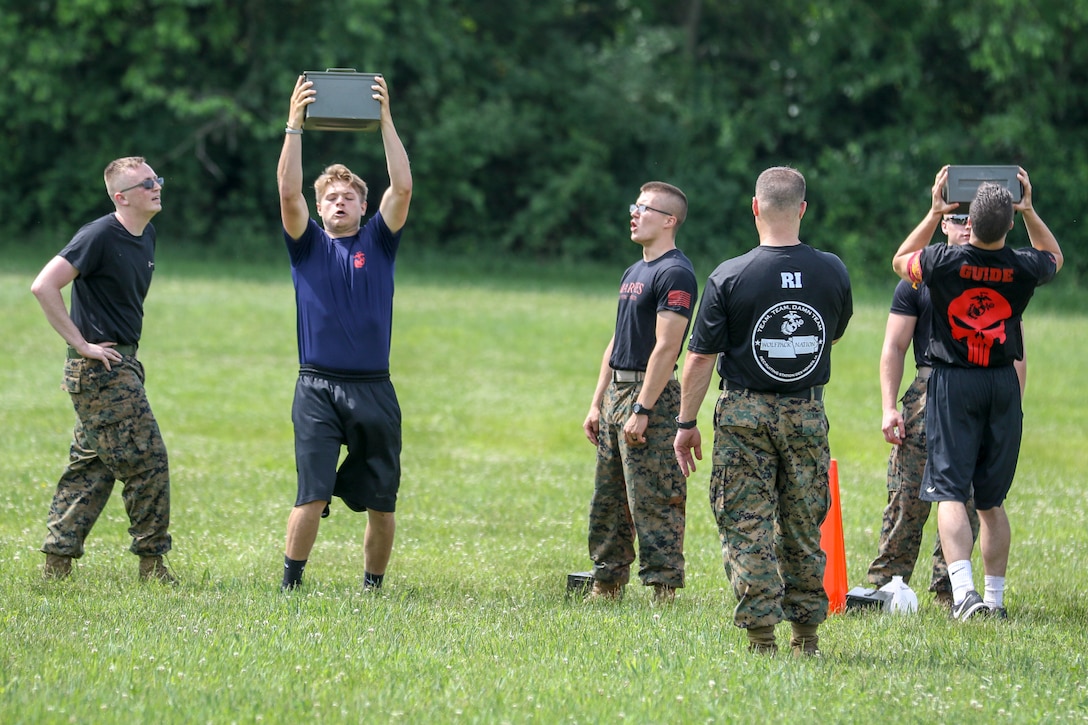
x,y
343,102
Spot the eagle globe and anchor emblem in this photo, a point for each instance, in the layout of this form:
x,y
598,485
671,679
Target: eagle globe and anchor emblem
x,y
788,339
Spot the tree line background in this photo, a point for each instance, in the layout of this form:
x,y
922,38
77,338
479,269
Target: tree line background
x,y
531,123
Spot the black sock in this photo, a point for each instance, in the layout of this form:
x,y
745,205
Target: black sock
x,y
372,581
292,573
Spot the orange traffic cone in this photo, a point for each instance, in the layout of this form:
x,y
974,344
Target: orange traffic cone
x,y
833,545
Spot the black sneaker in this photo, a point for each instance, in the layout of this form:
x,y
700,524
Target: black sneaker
x,y
997,612
971,605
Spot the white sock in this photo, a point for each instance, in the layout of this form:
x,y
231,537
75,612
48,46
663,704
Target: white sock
x,y
959,573
995,591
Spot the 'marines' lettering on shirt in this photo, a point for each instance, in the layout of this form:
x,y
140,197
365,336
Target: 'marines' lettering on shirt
x,y
986,274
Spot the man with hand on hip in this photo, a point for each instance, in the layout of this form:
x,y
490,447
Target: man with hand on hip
x,y
109,264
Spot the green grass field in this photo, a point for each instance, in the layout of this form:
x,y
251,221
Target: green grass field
x,y
494,372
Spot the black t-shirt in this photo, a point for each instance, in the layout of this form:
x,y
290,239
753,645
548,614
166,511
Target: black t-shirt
x,y
913,301
979,297
773,313
115,271
666,283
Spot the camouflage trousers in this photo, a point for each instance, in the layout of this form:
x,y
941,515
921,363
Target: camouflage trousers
x,y
638,491
116,437
769,494
906,514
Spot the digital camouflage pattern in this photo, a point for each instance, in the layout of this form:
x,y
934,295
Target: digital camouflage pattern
x,y
906,514
638,491
769,495
116,437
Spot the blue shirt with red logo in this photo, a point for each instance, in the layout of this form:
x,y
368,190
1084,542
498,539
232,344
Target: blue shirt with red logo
x,y
344,296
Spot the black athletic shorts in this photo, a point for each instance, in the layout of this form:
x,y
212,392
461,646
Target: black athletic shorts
x,y
360,412
973,427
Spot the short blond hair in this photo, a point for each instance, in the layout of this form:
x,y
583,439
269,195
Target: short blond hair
x,y
678,200
117,167
339,172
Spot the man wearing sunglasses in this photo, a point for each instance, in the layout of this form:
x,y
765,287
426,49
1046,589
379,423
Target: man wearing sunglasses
x,y
343,275
638,492
109,263
909,325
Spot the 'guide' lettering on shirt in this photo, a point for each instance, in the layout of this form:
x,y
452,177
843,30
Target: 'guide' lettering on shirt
x,y
985,274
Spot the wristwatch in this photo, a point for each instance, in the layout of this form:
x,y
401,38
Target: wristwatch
x,y
685,424
640,409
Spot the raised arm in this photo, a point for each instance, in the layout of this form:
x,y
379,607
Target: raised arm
x,y
1039,233
398,196
293,210
922,234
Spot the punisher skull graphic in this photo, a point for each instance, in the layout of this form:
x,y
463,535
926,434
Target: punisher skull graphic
x,y
978,318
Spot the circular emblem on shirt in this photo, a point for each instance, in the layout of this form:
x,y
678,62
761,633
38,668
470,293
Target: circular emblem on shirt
x,y
787,341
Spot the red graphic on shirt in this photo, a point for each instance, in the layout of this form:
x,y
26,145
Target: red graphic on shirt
x,y
679,298
978,318
630,290
359,259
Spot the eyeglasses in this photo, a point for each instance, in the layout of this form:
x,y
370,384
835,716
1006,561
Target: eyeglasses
x,y
642,209
957,219
146,183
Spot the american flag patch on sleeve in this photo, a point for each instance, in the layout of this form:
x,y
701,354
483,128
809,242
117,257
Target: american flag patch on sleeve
x,y
679,298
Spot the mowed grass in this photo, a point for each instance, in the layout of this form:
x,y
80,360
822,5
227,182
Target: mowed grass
x,y
495,371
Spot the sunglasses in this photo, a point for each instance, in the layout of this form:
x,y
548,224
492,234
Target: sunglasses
x,y
957,219
148,184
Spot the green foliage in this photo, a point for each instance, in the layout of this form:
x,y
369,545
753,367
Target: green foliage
x,y
532,123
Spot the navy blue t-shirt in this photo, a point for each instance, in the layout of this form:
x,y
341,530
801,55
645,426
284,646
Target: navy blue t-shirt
x,y
666,283
344,296
773,313
115,271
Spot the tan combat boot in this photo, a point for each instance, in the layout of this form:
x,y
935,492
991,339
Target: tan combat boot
x,y
57,567
761,641
804,642
152,568
605,590
663,594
